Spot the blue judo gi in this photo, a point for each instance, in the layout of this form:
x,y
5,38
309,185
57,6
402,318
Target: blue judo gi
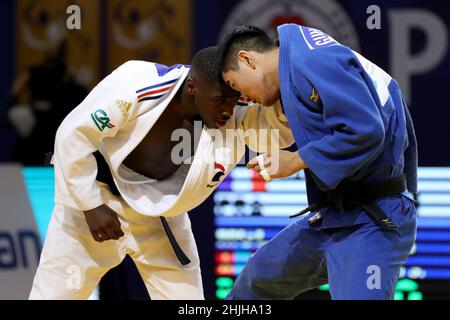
x,y
350,123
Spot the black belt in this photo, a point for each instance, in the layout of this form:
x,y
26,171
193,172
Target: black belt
x,y
351,195
184,260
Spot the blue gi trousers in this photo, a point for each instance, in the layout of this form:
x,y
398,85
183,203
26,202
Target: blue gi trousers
x,y
359,261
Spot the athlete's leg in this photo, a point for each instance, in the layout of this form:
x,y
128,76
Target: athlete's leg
x,y
72,262
290,263
163,274
364,261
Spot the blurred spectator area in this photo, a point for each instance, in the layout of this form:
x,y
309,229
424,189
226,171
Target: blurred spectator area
x,y
52,65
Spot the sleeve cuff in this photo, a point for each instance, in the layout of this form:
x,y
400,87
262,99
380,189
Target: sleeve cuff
x,y
91,204
325,176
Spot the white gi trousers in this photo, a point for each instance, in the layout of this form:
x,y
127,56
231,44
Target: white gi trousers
x,y
72,262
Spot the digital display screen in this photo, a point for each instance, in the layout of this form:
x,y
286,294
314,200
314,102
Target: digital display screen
x,y
249,211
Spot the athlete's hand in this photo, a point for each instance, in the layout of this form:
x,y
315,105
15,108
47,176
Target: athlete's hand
x,y
280,165
103,223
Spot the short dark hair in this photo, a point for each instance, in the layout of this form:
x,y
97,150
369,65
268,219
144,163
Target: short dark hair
x,y
248,38
206,63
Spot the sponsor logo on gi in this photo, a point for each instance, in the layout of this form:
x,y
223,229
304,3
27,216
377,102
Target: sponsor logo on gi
x,y
124,106
101,119
218,175
314,95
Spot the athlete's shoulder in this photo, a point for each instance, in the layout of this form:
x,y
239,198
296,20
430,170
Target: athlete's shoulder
x,y
137,67
144,77
307,43
314,51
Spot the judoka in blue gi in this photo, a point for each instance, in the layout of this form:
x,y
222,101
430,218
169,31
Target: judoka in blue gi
x,y
356,142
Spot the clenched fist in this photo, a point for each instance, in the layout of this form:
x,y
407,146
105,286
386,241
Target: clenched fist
x,y
103,223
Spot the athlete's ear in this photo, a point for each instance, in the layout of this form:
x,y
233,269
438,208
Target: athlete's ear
x,y
190,85
246,58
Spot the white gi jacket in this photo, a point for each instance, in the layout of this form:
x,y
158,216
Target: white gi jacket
x,y
114,118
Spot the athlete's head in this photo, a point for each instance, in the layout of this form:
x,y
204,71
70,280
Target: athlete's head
x,y
249,64
213,99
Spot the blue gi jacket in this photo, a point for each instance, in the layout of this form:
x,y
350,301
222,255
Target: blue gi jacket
x,y
347,116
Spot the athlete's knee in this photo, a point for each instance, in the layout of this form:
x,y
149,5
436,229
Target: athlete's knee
x,y
259,270
259,278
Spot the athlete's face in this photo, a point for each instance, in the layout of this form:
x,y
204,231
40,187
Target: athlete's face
x,y
251,81
214,102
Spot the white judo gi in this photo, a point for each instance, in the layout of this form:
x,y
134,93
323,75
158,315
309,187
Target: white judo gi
x,y
114,118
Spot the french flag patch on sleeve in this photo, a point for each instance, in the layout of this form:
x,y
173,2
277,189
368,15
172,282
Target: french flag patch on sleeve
x,y
155,91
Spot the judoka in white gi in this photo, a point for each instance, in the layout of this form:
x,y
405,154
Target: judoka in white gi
x,y
129,117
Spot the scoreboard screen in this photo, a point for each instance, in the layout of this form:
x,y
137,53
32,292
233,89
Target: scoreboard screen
x,y
249,211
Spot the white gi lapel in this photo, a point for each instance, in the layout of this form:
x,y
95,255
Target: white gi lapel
x,y
131,135
223,158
